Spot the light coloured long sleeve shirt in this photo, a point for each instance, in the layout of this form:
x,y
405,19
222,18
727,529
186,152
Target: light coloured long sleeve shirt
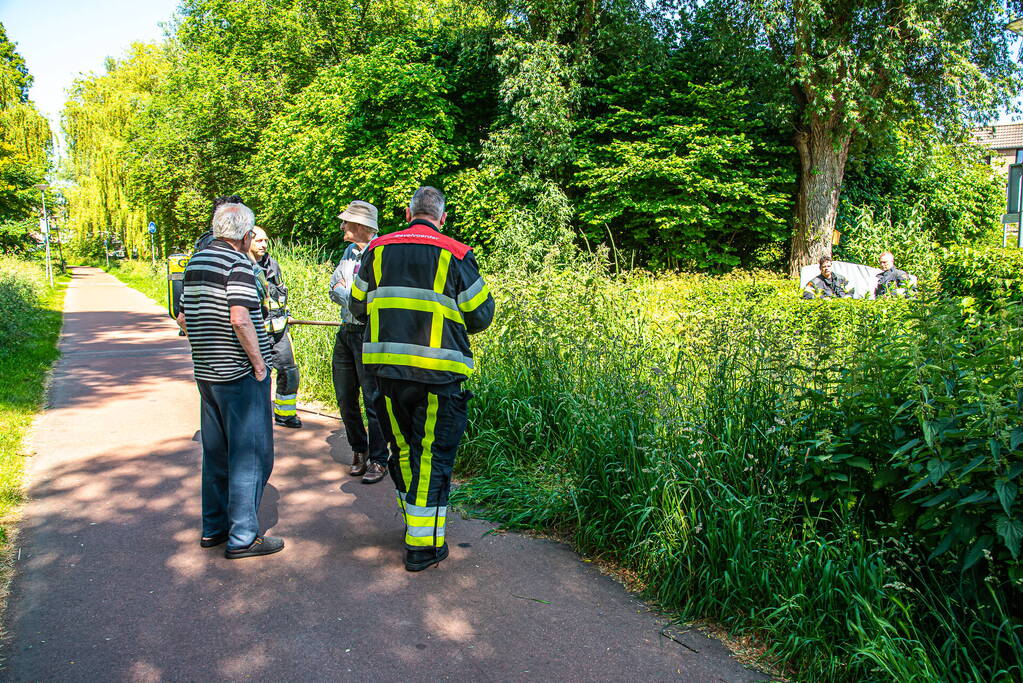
x,y
341,282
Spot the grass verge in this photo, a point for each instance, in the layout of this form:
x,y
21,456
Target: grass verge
x,y
24,364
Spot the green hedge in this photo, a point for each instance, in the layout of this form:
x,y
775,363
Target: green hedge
x,y
22,285
986,274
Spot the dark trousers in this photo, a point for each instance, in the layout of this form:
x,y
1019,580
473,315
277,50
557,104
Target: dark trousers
x,y
350,377
283,361
423,425
237,456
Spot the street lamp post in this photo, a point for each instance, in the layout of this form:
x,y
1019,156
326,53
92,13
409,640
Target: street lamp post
x,y
46,231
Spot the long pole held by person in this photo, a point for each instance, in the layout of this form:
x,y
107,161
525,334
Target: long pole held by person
x,y
46,232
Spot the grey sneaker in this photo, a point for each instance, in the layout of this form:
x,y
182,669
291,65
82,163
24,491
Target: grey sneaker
x,y
263,545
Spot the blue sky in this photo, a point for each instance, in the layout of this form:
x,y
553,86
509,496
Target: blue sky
x,y
62,39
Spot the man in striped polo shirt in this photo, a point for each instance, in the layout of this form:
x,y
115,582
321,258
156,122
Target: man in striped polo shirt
x,y
221,312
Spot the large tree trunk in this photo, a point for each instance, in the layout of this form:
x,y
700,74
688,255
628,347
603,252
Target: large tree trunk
x,y
822,157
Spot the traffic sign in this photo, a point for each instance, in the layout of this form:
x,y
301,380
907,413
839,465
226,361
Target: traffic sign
x,y
152,228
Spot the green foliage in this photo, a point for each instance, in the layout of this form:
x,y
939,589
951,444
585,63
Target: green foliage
x,y
30,320
98,121
911,240
24,137
16,236
690,176
775,490
946,189
984,275
374,128
856,73
22,286
86,249
529,149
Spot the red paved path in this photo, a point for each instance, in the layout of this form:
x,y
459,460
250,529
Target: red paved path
x,y
112,584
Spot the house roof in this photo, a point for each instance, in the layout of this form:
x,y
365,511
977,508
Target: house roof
x,y
1006,136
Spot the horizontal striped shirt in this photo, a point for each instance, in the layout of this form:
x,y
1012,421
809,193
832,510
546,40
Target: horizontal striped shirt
x,y
216,279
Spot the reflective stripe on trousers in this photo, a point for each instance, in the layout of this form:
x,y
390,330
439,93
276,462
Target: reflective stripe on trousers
x,y
423,426
285,405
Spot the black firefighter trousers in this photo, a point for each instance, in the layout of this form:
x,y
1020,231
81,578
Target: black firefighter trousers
x,y
422,424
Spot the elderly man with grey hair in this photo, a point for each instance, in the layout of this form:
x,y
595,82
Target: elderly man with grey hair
x,y
222,315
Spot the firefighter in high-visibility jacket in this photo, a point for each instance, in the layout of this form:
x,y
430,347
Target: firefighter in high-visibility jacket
x,y
422,296
283,357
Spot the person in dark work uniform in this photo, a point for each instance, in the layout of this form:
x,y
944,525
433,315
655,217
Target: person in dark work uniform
x,y
283,359
827,284
422,296
891,281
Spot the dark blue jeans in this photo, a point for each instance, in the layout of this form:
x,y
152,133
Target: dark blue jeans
x,y
237,456
350,376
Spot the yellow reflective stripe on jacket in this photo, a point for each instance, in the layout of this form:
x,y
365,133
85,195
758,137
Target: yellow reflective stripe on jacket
x,y
404,303
378,264
357,293
439,280
412,293
477,300
416,362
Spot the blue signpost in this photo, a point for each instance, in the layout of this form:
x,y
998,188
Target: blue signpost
x,y
152,240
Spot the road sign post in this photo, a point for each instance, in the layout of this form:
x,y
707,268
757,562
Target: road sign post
x,y
152,240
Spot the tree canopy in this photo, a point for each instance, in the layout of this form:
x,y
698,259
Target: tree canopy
x,y
688,134
24,148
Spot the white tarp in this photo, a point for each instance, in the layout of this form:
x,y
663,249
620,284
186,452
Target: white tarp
x,y
862,279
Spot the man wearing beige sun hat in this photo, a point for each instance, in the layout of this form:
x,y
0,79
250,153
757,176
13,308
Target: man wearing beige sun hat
x,y
369,450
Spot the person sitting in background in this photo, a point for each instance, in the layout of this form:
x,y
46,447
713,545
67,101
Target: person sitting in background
x,y
891,281
827,284
283,359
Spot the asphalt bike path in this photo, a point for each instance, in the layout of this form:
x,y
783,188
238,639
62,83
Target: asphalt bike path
x,y
111,584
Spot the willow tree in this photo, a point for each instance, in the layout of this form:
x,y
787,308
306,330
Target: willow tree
x,y
24,137
99,120
855,69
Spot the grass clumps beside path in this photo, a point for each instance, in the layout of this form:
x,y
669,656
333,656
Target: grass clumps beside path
x,y
30,320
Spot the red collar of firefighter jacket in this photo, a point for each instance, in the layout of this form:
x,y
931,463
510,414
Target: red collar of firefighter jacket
x,y
420,232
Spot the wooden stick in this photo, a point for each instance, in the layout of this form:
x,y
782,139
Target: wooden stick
x,y
328,323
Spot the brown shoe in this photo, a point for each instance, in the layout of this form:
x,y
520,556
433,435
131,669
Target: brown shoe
x,y
358,464
374,473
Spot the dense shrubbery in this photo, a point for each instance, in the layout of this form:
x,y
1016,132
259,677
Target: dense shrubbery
x,y
550,124
831,473
22,285
984,274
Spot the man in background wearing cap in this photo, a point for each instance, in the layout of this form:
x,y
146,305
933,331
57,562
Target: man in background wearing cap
x,y
369,450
